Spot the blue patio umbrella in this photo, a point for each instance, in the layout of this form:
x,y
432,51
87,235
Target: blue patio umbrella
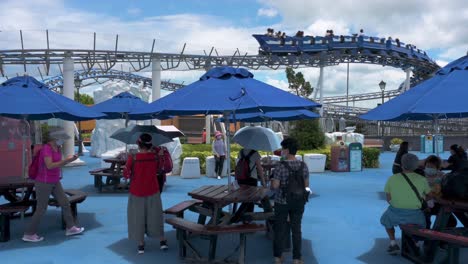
x,y
225,90
119,106
26,98
277,115
442,96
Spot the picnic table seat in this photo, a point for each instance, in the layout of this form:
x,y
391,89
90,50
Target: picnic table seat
x,y
455,238
186,230
6,211
178,209
74,197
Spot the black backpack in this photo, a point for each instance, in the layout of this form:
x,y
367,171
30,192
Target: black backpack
x,y
294,191
243,170
455,185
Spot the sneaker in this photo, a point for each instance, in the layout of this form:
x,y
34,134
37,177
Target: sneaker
x,y
141,249
277,260
298,261
32,238
74,231
393,250
163,245
219,177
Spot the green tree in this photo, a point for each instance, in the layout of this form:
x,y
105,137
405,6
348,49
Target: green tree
x,y
84,99
308,134
298,84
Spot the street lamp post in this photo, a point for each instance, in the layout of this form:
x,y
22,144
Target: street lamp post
x,y
382,85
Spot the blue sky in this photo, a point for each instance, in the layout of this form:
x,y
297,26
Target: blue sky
x,y
437,26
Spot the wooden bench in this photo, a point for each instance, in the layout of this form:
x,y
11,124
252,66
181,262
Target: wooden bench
x,y
6,211
178,209
186,229
74,198
194,140
411,251
373,143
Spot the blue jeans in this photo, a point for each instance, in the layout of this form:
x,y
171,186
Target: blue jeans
x,y
282,211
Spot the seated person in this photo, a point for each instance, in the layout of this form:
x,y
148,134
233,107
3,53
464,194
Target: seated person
x,y
405,206
434,176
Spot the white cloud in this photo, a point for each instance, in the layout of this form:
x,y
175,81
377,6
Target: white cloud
x,y
267,12
134,11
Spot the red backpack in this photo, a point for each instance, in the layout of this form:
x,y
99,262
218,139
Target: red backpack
x,y
33,169
243,170
164,158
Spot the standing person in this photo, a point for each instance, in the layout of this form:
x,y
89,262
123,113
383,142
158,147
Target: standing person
x,y
396,168
219,152
289,201
405,204
255,174
144,210
47,182
204,136
457,160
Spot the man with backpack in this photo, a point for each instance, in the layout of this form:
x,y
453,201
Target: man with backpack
x,y
248,171
290,179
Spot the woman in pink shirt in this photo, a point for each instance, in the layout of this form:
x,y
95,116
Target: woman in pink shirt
x,y
47,182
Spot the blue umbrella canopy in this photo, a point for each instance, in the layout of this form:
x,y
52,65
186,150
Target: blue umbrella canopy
x,y
442,96
119,106
26,98
277,115
226,89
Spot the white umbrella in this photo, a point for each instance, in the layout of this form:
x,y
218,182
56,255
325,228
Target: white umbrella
x,y
257,138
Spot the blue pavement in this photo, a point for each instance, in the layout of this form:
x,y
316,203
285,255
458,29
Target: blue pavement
x,y
340,225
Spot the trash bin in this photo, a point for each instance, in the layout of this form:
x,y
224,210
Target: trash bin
x,y
427,144
315,162
355,156
438,143
339,161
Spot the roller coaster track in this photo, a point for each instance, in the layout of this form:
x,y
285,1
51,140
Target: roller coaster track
x,y
328,52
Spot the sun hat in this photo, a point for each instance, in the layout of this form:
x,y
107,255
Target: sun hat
x,y
58,134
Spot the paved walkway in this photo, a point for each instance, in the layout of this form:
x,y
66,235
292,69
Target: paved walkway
x,y
340,225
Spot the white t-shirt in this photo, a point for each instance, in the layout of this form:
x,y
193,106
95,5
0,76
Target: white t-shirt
x,y
253,159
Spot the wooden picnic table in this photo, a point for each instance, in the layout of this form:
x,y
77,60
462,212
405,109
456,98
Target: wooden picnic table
x,y
9,186
113,174
440,232
210,200
215,197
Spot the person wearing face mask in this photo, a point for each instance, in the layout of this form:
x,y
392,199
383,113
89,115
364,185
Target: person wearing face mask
x,y
219,152
47,182
434,176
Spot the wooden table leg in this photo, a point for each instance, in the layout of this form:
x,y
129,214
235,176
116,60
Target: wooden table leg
x,y
98,179
212,250
242,248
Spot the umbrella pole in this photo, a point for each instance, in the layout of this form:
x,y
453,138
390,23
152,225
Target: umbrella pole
x,y
228,148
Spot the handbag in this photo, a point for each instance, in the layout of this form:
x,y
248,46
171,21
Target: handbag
x,y
424,205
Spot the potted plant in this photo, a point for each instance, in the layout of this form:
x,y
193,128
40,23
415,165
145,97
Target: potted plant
x,y
395,144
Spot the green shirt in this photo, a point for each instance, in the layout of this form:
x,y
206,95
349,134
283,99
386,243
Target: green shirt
x,y
402,195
